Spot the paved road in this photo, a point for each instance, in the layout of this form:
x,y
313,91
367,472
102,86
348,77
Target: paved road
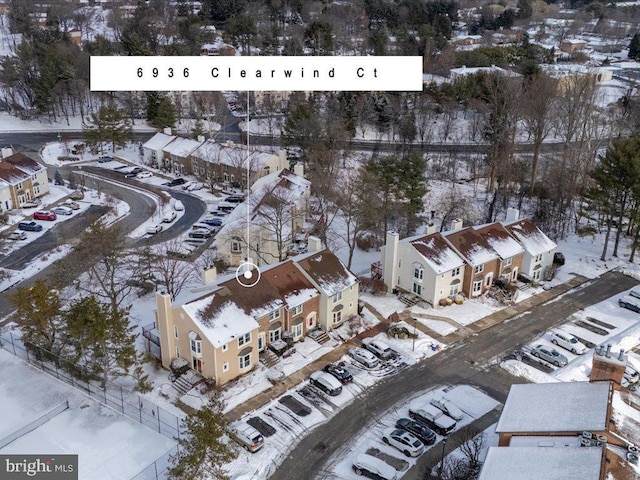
x,y
472,361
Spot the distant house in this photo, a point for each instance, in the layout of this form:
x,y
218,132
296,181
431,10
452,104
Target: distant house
x,y
152,148
177,154
223,326
508,249
6,201
264,226
572,45
27,179
425,265
538,248
456,73
229,163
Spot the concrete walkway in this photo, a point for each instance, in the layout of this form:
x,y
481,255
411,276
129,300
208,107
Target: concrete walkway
x,y
295,378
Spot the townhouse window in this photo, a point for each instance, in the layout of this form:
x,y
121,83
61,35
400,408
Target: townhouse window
x,y
538,258
453,290
337,316
296,310
273,315
225,347
19,186
337,297
455,272
507,261
244,361
274,335
175,331
477,287
479,268
296,328
418,273
196,346
225,367
246,338
236,247
177,352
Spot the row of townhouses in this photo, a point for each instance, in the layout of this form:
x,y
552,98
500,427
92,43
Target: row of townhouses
x,y
224,325
206,159
468,260
22,180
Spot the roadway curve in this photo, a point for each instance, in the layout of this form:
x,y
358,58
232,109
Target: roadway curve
x,y
473,361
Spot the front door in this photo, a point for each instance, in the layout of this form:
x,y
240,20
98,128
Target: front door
x,y
197,364
261,342
311,321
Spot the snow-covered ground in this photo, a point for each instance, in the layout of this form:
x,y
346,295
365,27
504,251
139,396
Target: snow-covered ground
x,y
108,444
473,403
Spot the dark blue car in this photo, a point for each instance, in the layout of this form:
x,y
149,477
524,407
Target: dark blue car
x,y
212,222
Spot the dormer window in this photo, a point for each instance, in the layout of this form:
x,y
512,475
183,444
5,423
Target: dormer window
x,y
337,297
296,310
479,268
246,338
507,261
275,314
418,272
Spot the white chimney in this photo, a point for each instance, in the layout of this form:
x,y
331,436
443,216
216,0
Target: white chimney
x,y
513,214
314,244
167,130
456,224
229,143
201,138
209,274
298,169
390,260
7,152
431,228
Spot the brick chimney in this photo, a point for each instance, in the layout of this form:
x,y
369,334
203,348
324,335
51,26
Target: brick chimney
x,y
608,366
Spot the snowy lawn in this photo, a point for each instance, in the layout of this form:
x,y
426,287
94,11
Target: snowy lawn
x,y
108,444
423,347
471,401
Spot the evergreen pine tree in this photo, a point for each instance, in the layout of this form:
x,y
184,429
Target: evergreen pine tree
x,y
57,178
110,124
634,47
198,129
166,115
203,453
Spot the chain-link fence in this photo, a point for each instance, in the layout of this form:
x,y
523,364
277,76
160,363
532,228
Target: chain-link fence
x,y
128,403
158,470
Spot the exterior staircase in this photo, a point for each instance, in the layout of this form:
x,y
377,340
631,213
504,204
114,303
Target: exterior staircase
x,y
268,358
182,385
321,337
409,299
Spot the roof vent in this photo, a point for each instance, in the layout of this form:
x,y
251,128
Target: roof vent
x,y
608,352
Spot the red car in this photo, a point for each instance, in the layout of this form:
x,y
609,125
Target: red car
x,y
44,215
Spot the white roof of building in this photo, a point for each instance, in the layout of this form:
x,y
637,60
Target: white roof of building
x,y
232,156
158,141
230,321
181,147
492,69
437,253
535,463
555,407
500,240
530,237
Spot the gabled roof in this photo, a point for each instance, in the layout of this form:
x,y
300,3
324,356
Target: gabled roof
x,y
555,407
159,141
181,147
290,283
326,271
24,163
232,156
12,174
500,240
437,253
530,237
472,246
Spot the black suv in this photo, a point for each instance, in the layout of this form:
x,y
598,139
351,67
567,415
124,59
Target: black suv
x,y
425,435
234,199
175,182
30,226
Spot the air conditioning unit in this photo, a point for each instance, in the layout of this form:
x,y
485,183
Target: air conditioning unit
x,y
632,449
585,442
601,438
587,435
632,458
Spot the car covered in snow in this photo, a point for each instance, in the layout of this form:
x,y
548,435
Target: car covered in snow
x,y
326,382
170,216
404,441
364,357
155,229
432,417
372,467
448,407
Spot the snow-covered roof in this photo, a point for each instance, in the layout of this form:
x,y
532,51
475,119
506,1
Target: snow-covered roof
x,y
555,407
12,174
232,156
230,321
326,271
474,70
472,246
437,253
626,416
181,147
534,241
24,163
159,141
500,240
534,463
290,282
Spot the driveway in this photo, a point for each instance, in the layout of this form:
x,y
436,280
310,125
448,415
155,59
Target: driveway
x,y
474,361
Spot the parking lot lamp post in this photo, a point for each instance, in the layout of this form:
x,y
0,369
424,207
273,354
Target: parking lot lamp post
x,y
444,444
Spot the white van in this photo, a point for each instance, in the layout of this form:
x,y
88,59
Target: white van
x,y
178,206
247,436
326,382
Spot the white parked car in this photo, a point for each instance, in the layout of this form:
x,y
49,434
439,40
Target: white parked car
x,y
326,382
403,441
71,204
247,436
365,357
169,217
17,235
145,174
448,407
377,347
568,342
62,210
155,229
195,186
